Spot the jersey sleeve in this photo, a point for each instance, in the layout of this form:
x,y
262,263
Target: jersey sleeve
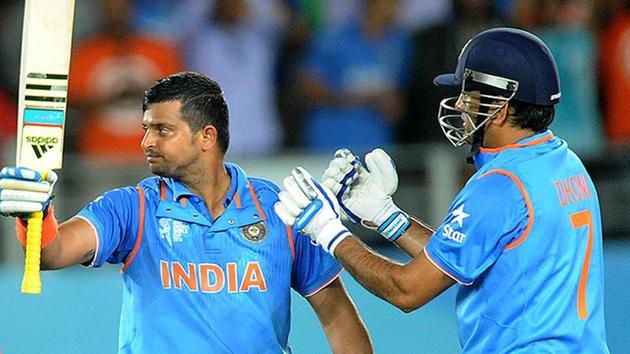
x,y
486,216
114,217
313,268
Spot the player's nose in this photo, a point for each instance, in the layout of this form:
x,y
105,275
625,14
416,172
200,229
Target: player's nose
x,y
147,142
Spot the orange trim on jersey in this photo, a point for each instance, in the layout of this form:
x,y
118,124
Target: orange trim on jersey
x,y
528,202
237,199
542,139
257,202
290,237
162,190
140,231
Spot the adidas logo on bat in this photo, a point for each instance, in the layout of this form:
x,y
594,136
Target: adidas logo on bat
x,y
40,150
41,144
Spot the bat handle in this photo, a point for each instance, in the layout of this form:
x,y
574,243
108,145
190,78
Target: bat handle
x,y
32,283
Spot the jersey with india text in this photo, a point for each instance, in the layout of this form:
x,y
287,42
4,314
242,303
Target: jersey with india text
x,y
195,284
524,238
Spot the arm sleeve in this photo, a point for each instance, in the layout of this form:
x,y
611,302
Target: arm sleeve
x,y
488,214
114,217
313,268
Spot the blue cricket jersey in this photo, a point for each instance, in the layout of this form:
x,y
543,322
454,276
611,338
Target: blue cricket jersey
x,y
193,284
524,237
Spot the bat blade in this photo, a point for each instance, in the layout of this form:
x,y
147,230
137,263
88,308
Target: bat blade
x,y
45,62
44,67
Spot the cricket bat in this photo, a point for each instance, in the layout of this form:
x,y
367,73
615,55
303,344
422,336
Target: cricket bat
x,y
44,67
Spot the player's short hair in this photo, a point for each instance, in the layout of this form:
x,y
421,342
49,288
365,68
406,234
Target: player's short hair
x,y
530,116
202,102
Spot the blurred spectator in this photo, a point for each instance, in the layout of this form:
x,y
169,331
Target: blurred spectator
x,y
410,14
564,26
304,20
108,75
11,17
159,17
8,121
238,46
615,72
353,79
433,54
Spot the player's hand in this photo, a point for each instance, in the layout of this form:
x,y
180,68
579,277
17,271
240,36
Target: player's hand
x,y
23,191
311,209
365,192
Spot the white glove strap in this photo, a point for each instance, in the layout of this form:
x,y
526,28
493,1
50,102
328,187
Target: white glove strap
x,y
331,235
392,222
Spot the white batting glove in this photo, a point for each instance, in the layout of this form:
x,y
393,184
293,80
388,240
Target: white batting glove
x,y
22,191
365,192
312,209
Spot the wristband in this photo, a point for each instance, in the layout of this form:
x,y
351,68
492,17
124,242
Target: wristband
x,y
394,226
49,228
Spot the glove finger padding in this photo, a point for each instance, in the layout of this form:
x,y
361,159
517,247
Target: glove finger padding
x,y
14,208
24,191
313,189
311,209
382,170
295,193
287,217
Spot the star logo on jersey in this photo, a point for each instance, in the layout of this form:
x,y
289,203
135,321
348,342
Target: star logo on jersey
x,y
255,232
459,215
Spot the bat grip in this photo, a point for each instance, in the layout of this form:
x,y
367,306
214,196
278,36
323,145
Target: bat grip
x,y
31,283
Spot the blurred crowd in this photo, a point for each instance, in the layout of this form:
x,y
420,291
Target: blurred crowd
x,y
319,74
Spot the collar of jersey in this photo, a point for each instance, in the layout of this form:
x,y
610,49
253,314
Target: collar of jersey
x,y
179,190
241,208
485,155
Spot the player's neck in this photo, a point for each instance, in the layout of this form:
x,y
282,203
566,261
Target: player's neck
x,y
211,183
506,137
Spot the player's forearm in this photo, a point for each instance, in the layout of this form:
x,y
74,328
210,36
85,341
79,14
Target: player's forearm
x,y
340,320
347,334
382,277
415,238
51,256
75,243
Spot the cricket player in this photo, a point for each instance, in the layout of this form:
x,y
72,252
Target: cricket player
x,y
207,264
523,238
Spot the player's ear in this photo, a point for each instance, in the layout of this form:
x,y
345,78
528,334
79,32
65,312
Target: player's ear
x,y
503,115
208,137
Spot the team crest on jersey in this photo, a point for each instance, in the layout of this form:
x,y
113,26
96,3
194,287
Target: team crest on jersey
x,y
255,232
173,231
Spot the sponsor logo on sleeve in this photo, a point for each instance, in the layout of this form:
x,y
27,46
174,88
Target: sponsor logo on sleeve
x,y
450,232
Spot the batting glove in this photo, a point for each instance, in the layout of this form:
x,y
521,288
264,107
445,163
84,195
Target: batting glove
x,y
365,192
312,209
23,191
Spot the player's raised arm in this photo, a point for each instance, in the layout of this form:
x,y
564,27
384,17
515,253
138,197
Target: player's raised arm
x,y
23,191
364,193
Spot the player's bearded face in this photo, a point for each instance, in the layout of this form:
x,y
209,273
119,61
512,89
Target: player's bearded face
x,y
168,143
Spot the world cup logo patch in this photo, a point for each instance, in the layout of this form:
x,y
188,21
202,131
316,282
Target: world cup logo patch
x,y
255,232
